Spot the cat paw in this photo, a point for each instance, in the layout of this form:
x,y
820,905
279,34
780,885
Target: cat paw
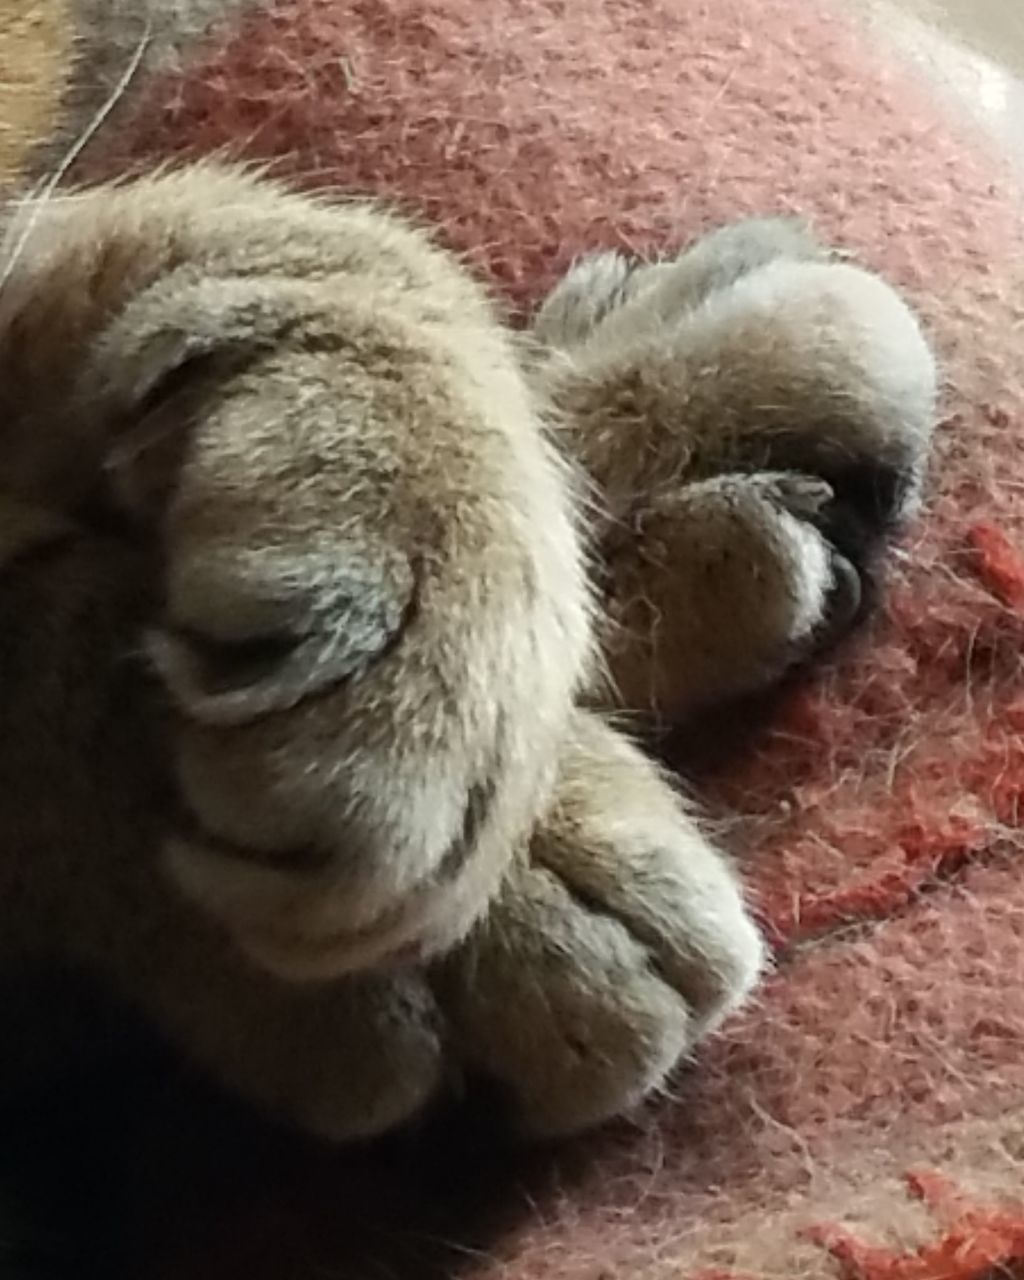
x,y
618,941
617,944
757,421
359,541
756,349
598,285
718,590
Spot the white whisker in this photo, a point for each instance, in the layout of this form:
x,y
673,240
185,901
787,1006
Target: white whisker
x,y
45,192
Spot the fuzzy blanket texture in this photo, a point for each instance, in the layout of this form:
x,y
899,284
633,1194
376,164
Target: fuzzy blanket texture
x,y
866,1116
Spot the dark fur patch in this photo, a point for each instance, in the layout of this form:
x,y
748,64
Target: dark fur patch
x,y
869,499
479,801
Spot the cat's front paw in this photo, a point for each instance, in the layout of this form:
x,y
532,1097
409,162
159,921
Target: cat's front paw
x,y
757,421
361,542
615,946
717,590
618,941
351,614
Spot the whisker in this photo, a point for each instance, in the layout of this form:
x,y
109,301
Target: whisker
x,y
45,191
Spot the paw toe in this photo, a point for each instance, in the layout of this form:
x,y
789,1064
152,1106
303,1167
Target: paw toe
x,y
610,954
593,288
562,1007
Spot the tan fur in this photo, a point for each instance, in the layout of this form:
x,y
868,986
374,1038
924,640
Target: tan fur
x,y
303,752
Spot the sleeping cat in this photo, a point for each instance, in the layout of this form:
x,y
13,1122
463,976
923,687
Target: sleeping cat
x,y
318,585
